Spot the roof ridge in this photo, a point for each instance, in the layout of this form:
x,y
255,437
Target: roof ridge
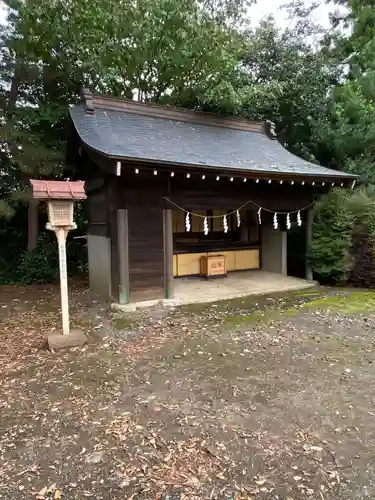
x,y
126,105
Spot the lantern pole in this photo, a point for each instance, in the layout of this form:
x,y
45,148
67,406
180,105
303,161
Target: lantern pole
x,y
69,338
61,235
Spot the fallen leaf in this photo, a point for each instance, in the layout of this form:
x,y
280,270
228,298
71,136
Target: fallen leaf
x,y
94,458
260,481
43,492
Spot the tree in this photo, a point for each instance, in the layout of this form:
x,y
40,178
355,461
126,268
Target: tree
x,y
287,79
345,135
184,53
157,47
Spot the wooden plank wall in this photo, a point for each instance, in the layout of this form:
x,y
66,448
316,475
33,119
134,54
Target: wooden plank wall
x,y
97,213
143,197
146,253
97,205
225,195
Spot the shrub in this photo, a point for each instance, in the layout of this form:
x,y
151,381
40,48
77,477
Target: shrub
x,y
40,265
76,251
343,246
13,241
362,273
329,255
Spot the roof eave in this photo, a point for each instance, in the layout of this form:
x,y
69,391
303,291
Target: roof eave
x,y
229,170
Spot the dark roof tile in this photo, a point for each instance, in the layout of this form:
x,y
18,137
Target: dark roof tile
x,y
123,134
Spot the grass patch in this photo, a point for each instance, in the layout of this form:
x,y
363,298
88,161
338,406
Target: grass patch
x,y
253,308
125,323
348,302
262,316
252,303
308,294
224,305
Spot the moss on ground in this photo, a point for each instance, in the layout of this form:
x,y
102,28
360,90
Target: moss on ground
x,y
273,307
125,323
349,302
261,316
253,308
253,302
261,309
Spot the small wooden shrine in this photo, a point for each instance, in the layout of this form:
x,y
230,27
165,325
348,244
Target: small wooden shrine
x,y
167,187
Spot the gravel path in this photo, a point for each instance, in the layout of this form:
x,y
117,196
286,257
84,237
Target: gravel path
x,y
258,398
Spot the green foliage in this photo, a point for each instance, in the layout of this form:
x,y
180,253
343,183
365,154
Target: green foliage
x,y
345,135
39,265
183,53
332,234
344,238
287,80
13,238
160,48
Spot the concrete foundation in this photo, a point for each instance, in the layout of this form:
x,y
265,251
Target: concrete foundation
x,y
76,338
99,257
274,251
237,284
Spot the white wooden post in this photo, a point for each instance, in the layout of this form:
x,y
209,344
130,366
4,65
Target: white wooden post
x,y
61,240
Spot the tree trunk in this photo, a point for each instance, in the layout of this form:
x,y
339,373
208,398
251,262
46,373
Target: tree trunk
x,y
33,225
13,91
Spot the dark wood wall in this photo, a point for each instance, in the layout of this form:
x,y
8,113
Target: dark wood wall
x,y
224,194
144,203
146,253
97,213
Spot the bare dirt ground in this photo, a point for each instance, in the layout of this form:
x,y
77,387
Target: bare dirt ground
x,y
258,398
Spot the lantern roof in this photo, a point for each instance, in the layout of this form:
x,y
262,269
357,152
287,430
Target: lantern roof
x,y
60,190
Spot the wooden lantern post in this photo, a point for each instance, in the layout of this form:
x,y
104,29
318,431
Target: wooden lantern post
x,y
60,215
60,197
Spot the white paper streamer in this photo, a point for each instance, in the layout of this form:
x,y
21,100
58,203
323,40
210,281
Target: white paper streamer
x,y
225,224
275,222
187,222
288,224
299,220
205,226
260,216
238,218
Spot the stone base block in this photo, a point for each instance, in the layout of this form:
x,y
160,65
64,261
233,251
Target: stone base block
x,y
76,338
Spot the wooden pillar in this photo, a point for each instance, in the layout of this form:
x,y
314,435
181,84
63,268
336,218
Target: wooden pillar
x,y
309,225
123,255
168,253
274,251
